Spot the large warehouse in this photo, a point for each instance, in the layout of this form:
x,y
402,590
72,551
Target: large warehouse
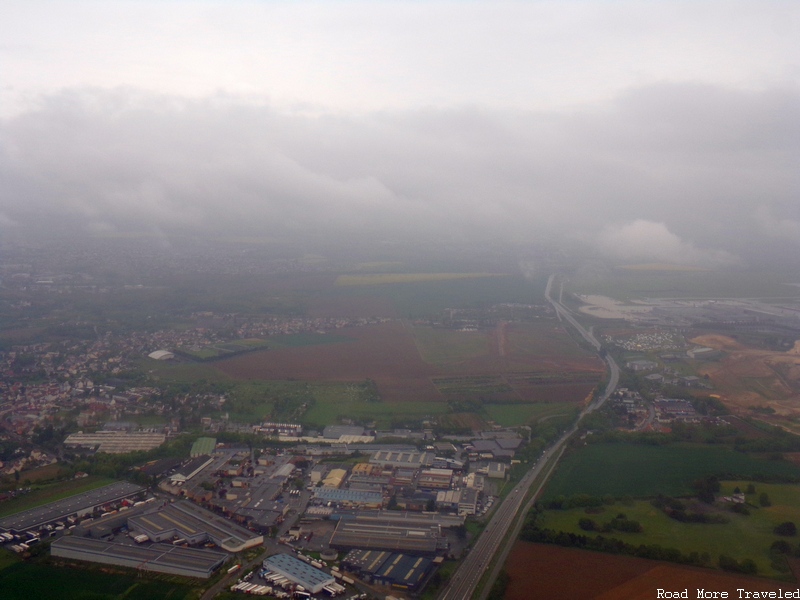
x,y
161,558
77,505
400,571
312,579
196,525
352,533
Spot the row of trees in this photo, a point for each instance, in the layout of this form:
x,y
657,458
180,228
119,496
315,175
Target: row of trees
x,y
613,546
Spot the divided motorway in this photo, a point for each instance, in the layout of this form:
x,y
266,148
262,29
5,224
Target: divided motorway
x,y
501,531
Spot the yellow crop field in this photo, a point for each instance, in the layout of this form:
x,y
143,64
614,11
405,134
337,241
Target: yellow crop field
x,y
382,278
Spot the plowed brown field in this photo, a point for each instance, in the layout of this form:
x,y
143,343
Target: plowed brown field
x,y
542,571
387,354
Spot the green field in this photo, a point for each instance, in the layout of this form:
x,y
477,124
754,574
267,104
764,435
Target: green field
x,y
428,298
318,403
509,415
479,384
744,536
543,339
25,581
641,470
51,493
228,349
383,413
447,346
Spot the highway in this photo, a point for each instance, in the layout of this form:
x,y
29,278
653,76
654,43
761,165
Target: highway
x,y
500,532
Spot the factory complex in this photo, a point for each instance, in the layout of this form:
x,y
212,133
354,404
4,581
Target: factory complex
x,y
160,558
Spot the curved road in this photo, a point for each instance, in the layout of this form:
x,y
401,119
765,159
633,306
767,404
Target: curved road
x,y
499,529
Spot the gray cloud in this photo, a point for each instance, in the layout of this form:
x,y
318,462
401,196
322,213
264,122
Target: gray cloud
x,y
684,169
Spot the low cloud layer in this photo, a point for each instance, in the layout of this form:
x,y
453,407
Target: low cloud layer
x,y
646,241
681,173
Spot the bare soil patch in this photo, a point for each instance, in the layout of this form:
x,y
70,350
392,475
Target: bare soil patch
x,y
748,377
717,341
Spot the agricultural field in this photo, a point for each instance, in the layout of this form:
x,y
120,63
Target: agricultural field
x,y
742,537
509,415
484,385
228,349
391,278
424,299
643,470
444,347
26,581
416,369
51,493
385,353
546,572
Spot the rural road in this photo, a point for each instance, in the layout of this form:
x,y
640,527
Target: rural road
x,y
503,527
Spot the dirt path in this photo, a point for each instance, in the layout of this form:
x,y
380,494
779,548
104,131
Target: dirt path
x,y
501,335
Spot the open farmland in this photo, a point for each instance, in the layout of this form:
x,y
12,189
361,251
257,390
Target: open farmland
x,y
643,470
509,415
541,571
741,537
425,298
385,353
445,347
390,278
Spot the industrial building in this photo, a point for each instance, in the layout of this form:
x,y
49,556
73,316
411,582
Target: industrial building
x,y
311,578
78,505
349,497
190,469
335,478
115,442
409,460
435,479
468,503
356,534
196,525
161,558
400,571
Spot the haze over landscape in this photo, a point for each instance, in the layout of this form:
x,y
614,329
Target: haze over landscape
x,y
439,300
663,131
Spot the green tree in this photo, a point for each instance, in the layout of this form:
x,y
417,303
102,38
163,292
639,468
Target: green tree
x,y
787,528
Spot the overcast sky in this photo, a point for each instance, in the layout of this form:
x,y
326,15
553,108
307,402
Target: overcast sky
x,y
655,130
